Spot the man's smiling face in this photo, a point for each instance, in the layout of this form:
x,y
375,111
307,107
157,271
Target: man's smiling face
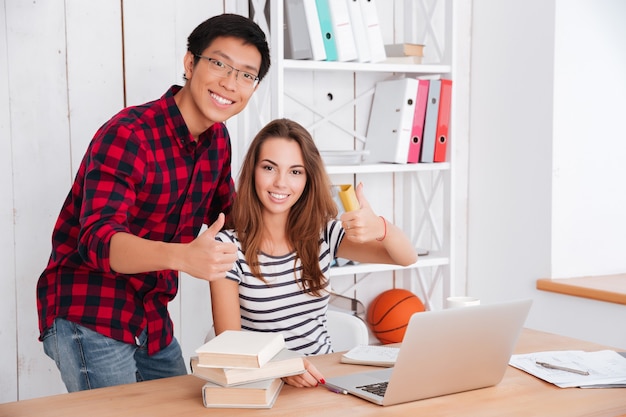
x,y
213,98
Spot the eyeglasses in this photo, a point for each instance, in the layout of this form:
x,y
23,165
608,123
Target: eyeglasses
x,y
221,69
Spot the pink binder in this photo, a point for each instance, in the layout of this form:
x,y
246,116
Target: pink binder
x,y
443,121
418,122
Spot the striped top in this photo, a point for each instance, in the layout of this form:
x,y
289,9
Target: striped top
x,y
280,304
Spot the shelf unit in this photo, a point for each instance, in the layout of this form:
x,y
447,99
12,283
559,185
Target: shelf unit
x,y
332,100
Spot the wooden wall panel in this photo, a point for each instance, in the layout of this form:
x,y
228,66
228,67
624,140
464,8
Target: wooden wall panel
x,y
41,166
8,327
94,69
53,119
149,49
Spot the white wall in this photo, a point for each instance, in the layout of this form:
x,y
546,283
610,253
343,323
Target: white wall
x,y
589,198
546,145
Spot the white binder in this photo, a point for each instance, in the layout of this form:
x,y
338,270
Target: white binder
x,y
430,124
374,33
391,120
342,29
297,43
315,32
359,30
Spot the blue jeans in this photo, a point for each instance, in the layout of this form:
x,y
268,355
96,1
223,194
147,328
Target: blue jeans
x,y
87,359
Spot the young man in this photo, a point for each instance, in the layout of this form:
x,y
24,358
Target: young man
x,y
151,177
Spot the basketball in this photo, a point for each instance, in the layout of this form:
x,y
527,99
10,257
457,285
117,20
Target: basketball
x,y
389,313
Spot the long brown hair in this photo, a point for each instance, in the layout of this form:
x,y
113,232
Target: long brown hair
x,y
307,218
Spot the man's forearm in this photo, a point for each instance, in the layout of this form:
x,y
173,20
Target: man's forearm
x,y
130,254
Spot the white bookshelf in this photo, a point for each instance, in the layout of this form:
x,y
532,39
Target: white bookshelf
x,y
307,65
332,100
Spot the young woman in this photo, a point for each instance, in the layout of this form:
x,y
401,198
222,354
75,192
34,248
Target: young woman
x,y
284,225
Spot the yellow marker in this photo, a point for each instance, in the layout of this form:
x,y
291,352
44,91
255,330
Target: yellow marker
x,y
348,197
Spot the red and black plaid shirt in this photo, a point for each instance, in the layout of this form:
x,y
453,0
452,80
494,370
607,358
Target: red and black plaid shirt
x,y
142,174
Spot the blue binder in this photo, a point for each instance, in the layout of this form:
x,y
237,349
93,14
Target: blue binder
x,y
326,25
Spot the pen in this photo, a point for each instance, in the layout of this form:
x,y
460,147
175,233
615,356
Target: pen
x,y
562,368
336,390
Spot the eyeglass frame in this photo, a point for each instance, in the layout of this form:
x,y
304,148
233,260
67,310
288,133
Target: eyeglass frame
x,y
215,62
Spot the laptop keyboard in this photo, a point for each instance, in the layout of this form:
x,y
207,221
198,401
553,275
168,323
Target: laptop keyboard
x,y
378,388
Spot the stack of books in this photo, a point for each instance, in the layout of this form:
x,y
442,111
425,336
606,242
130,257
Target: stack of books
x,y
244,369
404,53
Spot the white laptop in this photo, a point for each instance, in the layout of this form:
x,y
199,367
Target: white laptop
x,y
444,352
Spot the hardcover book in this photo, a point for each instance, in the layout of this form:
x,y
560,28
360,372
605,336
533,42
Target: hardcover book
x,y
260,394
404,60
240,349
285,363
404,49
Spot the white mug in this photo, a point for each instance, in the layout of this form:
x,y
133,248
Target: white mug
x,y
455,302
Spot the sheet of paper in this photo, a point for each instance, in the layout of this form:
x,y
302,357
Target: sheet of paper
x,y
373,354
604,367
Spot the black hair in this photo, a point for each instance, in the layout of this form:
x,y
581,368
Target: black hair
x,y
232,25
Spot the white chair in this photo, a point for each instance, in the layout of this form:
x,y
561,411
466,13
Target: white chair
x,y
346,330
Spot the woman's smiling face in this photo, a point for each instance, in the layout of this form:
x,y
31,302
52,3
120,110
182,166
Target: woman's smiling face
x,y
280,177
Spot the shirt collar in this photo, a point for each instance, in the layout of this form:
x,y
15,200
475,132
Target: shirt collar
x,y
174,118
